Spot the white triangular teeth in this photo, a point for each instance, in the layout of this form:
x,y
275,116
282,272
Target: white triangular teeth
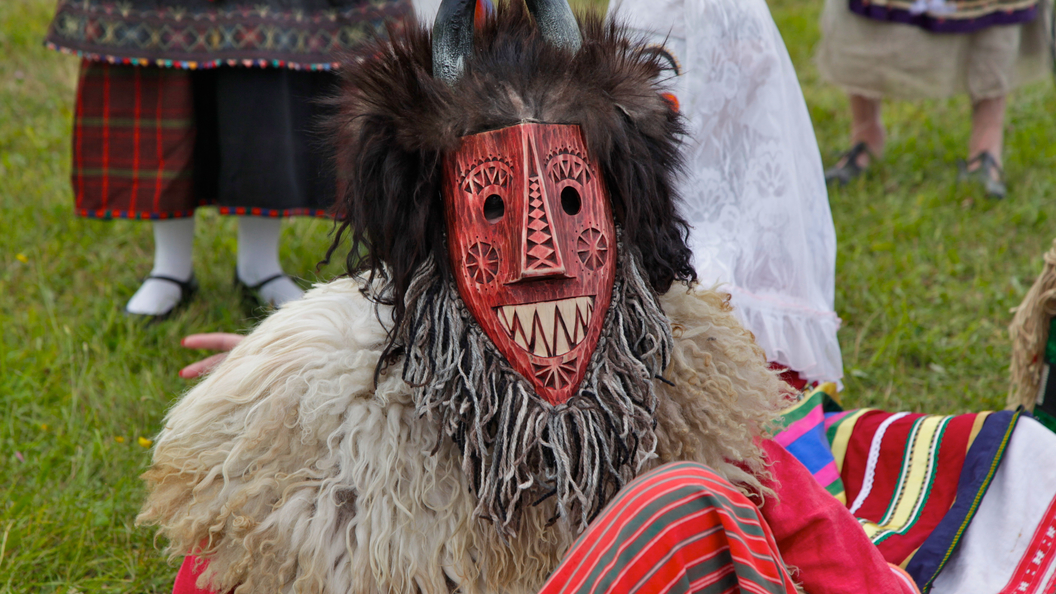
x,y
550,328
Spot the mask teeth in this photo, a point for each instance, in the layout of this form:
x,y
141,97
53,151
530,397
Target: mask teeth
x,y
550,328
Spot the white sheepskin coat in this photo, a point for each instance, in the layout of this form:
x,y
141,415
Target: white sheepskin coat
x,y
291,472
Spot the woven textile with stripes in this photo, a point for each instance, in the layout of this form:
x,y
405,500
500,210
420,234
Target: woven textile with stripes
x,y
915,482
803,435
679,529
948,16
300,34
900,471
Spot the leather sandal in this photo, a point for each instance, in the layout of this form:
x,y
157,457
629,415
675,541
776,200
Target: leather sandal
x,y
188,289
850,169
984,174
250,294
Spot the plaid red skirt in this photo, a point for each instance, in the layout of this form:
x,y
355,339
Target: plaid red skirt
x,y
146,145
133,142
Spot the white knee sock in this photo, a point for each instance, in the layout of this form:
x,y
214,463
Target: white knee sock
x,y
173,243
258,259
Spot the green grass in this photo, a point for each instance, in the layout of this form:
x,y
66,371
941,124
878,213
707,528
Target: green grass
x,y
926,277
927,271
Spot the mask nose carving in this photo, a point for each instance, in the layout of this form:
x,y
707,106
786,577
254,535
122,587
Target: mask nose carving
x,y
541,255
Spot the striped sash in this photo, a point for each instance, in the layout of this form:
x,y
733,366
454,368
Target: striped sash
x,y
678,529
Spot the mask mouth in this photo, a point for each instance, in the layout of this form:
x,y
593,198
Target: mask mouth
x,y
547,328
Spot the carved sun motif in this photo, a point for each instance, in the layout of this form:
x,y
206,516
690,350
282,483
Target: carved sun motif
x,y
482,262
554,374
489,171
592,248
568,163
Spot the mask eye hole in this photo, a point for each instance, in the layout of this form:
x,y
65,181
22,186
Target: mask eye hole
x,y
494,208
570,201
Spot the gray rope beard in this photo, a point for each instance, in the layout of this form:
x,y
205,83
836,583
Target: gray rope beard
x,y
518,449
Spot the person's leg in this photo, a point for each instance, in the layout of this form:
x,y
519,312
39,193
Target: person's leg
x,y
988,130
866,127
984,146
258,260
679,528
173,242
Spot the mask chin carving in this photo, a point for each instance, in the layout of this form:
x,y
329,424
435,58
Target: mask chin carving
x,y
533,248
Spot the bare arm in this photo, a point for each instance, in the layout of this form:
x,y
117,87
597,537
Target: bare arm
x,y
213,341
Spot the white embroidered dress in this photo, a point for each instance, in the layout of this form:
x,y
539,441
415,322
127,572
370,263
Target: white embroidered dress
x,y
754,190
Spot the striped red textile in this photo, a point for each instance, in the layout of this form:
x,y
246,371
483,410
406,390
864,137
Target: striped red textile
x,y
133,142
909,475
1035,574
678,529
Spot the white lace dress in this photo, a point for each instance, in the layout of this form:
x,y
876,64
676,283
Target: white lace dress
x,y
754,191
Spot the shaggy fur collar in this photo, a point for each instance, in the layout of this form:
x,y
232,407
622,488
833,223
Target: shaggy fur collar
x,y
292,473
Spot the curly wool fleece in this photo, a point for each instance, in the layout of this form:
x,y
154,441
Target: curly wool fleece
x,y
291,472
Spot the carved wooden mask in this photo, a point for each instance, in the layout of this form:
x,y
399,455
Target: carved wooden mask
x,y
533,248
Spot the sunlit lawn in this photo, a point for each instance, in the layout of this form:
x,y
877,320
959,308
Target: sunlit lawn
x,y
926,276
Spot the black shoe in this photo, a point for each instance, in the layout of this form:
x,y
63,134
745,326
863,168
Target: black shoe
x,y
250,294
188,289
843,174
984,175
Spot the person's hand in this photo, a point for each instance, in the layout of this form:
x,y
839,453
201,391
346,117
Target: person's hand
x,y
213,341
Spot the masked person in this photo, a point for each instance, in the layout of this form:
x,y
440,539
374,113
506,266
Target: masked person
x,y
513,389
186,103
753,190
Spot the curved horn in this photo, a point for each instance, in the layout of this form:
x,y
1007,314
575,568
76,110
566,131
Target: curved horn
x,y
453,32
452,38
556,23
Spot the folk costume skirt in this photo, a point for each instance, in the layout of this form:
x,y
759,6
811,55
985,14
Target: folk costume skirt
x,y
156,143
754,189
877,59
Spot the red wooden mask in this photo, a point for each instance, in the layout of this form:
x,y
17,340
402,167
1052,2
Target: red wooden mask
x,y
533,248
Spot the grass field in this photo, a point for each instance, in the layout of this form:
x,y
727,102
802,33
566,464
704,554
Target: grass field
x,y
926,277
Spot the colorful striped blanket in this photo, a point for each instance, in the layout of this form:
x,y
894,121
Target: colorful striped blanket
x,y
964,503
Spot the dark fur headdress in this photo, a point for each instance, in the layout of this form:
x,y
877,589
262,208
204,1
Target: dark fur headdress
x,y
396,120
